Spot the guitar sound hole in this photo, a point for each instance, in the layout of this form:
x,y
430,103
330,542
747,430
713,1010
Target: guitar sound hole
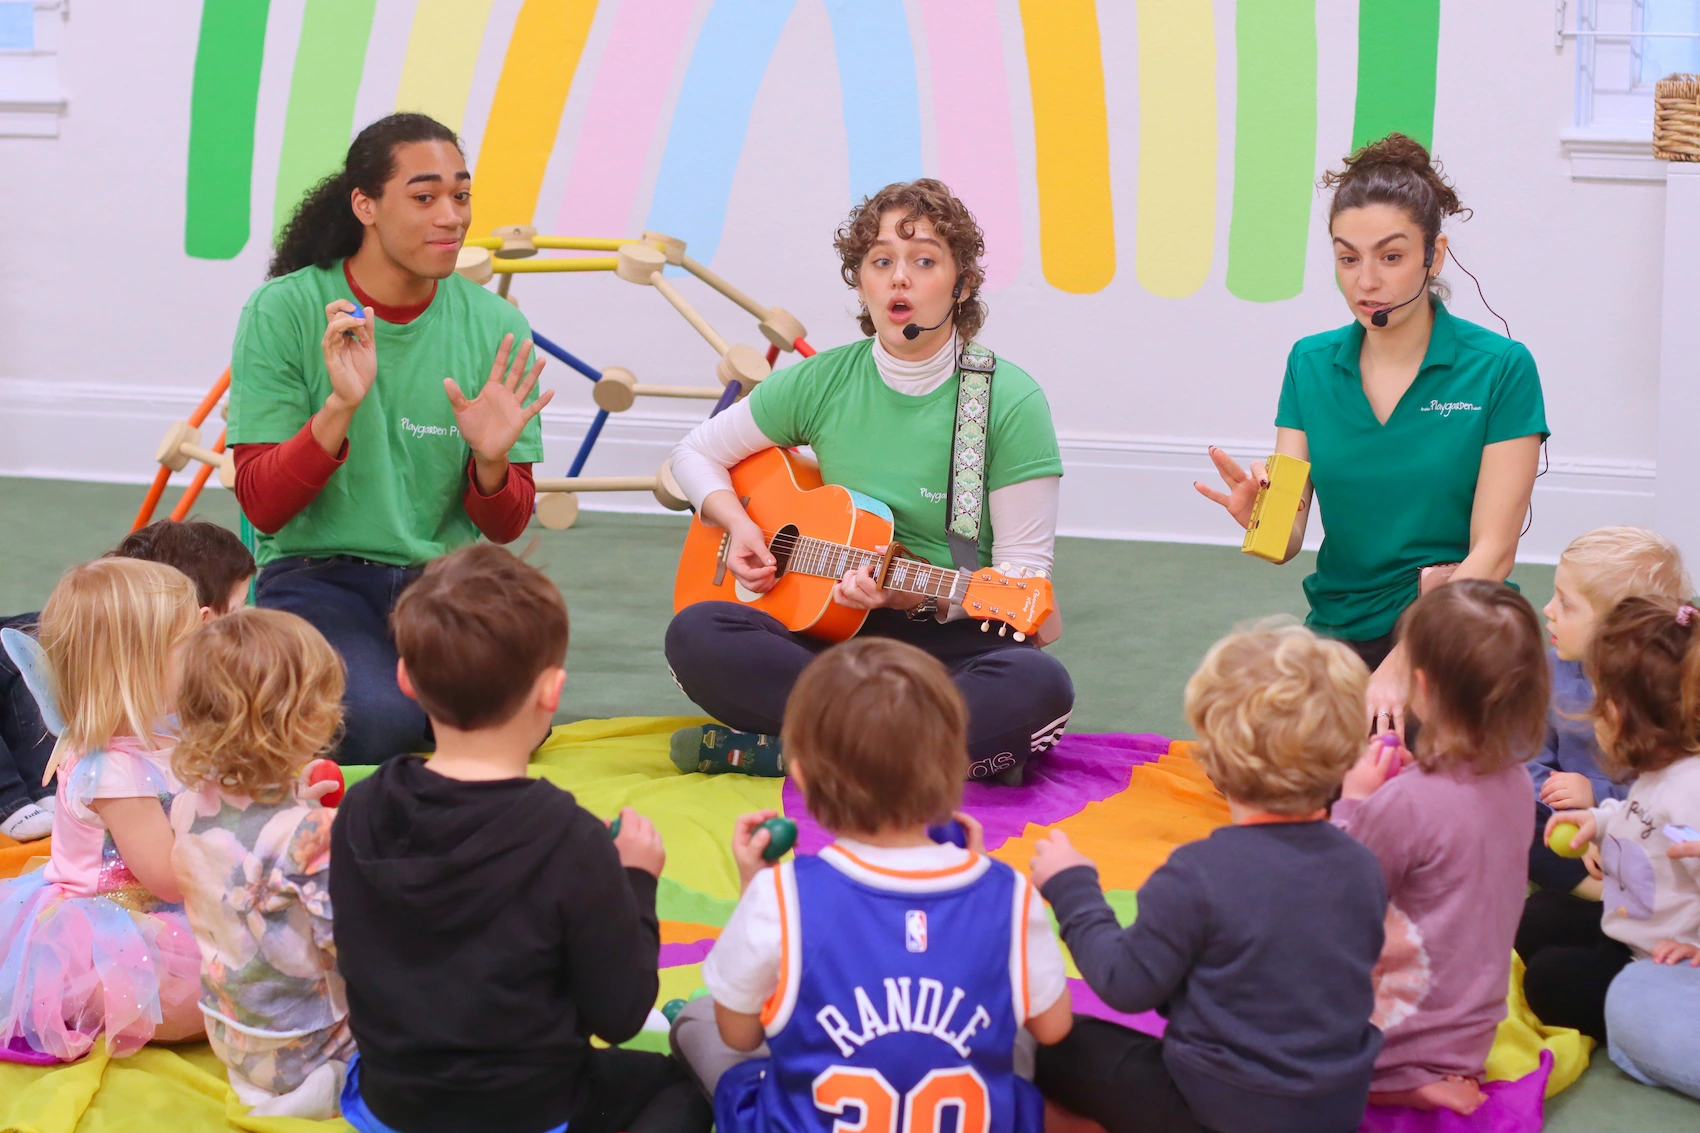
x,y
783,544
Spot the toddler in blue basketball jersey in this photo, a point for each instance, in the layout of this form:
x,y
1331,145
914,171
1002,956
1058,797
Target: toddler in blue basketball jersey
x,y
884,984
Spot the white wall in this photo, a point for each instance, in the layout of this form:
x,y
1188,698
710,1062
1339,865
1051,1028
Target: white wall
x,y
108,331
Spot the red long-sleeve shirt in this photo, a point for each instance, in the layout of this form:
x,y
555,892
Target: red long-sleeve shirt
x,y
275,481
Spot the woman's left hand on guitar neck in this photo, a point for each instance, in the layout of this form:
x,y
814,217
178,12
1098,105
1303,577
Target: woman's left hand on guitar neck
x,y
858,590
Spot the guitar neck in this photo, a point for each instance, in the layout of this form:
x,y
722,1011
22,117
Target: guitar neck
x,y
822,559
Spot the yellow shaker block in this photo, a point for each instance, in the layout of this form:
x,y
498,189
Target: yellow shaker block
x,y
1277,508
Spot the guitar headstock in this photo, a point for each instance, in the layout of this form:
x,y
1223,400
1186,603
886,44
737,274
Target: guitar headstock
x,y
1023,604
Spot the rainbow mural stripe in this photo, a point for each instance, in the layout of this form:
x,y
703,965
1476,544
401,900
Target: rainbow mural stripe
x,y
721,49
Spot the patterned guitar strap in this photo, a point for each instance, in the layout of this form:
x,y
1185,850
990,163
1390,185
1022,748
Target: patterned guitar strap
x,y
968,454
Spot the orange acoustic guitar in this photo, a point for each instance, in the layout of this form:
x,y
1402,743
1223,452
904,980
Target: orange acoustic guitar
x,y
817,532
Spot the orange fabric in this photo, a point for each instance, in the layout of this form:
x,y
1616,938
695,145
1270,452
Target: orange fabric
x,y
687,932
14,856
1168,803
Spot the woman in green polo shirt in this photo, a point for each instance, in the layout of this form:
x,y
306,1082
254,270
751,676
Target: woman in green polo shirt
x,y
372,431
1423,431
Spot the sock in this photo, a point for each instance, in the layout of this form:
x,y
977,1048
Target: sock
x,y
714,749
27,824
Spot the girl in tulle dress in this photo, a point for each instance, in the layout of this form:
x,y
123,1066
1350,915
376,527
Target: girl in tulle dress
x,y
97,942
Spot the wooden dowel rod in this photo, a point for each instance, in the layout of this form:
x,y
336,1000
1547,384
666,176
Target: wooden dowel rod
x,y
707,393
724,288
661,284
596,483
572,263
196,452
503,284
583,243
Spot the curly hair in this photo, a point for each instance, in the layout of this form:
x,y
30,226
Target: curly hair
x,y
1397,171
261,698
1279,715
926,199
1645,670
323,228
1479,648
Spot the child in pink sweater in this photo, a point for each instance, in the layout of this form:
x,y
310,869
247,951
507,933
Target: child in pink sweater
x,y
1452,832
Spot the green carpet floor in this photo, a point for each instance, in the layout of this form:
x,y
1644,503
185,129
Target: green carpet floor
x,y
1138,618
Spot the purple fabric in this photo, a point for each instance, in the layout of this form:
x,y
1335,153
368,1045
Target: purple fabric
x,y
678,955
1511,1107
17,1050
1079,770
1086,1002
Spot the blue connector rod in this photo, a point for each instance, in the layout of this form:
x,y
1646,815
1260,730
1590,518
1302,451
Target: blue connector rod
x,y
576,363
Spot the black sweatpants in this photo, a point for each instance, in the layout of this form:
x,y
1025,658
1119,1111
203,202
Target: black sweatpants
x,y
635,1091
739,665
1547,869
1568,961
25,742
1115,1076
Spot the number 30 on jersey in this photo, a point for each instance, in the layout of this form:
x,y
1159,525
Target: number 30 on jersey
x,y
841,1088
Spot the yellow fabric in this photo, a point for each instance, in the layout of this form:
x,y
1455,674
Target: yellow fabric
x,y
1521,1037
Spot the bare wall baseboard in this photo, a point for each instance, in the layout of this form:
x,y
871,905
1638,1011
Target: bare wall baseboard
x,y
1115,486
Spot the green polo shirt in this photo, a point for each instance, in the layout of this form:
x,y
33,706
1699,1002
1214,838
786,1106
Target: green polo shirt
x,y
895,447
1397,497
397,498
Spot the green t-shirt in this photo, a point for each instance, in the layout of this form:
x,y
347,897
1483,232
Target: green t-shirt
x,y
895,447
1397,497
397,498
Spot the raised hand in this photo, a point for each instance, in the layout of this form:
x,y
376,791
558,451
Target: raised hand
x,y
1051,855
748,841
639,844
1242,485
492,422
351,357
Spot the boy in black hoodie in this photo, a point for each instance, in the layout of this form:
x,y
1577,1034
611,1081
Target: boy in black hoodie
x,y
486,924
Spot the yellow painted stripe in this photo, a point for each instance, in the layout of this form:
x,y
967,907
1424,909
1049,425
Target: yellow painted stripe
x,y
526,114
1071,142
442,53
1177,146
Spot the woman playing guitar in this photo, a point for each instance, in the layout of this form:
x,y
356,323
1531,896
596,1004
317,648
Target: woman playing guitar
x,y
880,416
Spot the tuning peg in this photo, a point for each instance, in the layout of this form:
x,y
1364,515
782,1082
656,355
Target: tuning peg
x,y
1005,568
1019,636
1002,629
985,627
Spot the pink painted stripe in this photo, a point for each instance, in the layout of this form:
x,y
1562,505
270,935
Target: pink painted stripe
x,y
976,138
678,955
621,117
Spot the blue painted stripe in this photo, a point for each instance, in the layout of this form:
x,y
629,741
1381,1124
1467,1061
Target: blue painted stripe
x,y
694,186
570,359
882,107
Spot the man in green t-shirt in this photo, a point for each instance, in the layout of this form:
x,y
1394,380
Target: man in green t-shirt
x,y
880,415
382,409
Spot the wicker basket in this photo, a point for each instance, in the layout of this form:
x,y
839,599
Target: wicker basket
x,y
1676,118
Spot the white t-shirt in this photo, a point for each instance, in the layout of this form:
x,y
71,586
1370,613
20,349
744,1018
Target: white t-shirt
x,y
742,970
1649,896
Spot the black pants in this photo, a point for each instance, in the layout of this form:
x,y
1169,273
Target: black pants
x,y
1568,961
1547,869
1115,1076
635,1091
739,664
25,743
349,601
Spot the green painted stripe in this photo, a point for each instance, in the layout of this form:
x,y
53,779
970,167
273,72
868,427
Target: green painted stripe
x,y
320,120
221,127
1274,148
1398,42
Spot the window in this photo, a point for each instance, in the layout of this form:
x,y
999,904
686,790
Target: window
x,y
1622,47
31,103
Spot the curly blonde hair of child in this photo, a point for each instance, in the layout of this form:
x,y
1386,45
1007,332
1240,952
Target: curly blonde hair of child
x,y
261,698
1614,563
108,630
1279,715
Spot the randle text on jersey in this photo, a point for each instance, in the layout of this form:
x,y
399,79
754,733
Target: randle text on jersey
x,y
930,1012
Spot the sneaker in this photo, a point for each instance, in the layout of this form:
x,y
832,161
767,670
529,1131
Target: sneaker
x,y
714,749
27,824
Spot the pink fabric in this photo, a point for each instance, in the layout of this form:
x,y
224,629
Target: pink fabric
x,y
1086,1002
1511,1107
1079,770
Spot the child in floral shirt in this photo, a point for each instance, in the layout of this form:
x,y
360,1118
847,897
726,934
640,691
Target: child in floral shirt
x,y
261,697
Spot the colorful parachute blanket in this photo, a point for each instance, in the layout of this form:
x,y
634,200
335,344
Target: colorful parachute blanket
x,y
1124,800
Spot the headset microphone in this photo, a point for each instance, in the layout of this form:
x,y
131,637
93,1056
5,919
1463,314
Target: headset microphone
x,y
1380,317
912,331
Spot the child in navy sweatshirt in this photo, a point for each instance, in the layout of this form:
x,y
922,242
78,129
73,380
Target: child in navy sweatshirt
x,y
1257,942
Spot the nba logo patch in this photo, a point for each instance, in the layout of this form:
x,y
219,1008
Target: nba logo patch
x,y
915,930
